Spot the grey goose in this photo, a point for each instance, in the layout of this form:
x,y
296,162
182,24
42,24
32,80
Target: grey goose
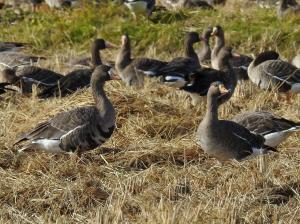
x,y
140,7
286,7
267,71
239,64
81,129
133,70
95,59
223,139
274,129
296,61
198,82
24,77
78,78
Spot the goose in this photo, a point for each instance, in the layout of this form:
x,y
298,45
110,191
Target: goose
x,y
25,76
198,82
274,129
80,129
97,46
35,4
11,46
205,52
132,71
13,59
296,61
239,64
267,71
287,7
223,139
77,79
175,72
140,7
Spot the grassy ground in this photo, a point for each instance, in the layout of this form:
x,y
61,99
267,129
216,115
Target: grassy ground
x,y
151,170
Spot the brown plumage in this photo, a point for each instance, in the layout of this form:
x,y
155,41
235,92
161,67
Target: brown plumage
x,y
82,128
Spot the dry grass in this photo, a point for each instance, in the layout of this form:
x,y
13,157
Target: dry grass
x,y
151,170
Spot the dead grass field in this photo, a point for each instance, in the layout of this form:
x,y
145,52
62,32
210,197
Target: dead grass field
x,y
151,170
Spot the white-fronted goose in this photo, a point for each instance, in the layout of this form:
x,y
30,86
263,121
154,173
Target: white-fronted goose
x,y
274,129
132,71
140,7
11,46
267,71
25,76
205,52
95,59
296,61
83,128
77,79
287,7
13,59
239,64
198,82
226,140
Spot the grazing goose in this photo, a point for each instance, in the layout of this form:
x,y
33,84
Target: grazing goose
x,y
205,53
239,64
140,7
13,59
267,71
198,82
97,46
25,76
177,70
274,129
132,71
83,128
296,61
224,139
287,7
77,79
11,46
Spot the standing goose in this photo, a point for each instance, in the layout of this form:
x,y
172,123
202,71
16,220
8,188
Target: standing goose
x,y
198,82
240,64
287,7
13,59
274,129
177,71
83,128
205,52
296,61
25,76
226,140
132,71
76,79
97,46
267,71
140,7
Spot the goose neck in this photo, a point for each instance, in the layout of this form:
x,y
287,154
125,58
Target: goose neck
x,y
96,58
124,56
211,109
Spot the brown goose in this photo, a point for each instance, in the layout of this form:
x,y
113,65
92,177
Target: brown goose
x,y
77,79
274,129
13,59
287,7
205,52
224,139
267,71
296,61
198,82
95,59
83,128
239,64
132,71
25,76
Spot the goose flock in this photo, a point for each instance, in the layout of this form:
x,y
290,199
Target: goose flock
x,y
211,74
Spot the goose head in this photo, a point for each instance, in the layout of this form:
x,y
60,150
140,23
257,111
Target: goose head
x,y
100,44
217,90
207,33
104,73
217,31
125,41
192,37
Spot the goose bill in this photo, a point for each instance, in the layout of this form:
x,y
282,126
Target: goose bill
x,y
113,75
110,45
